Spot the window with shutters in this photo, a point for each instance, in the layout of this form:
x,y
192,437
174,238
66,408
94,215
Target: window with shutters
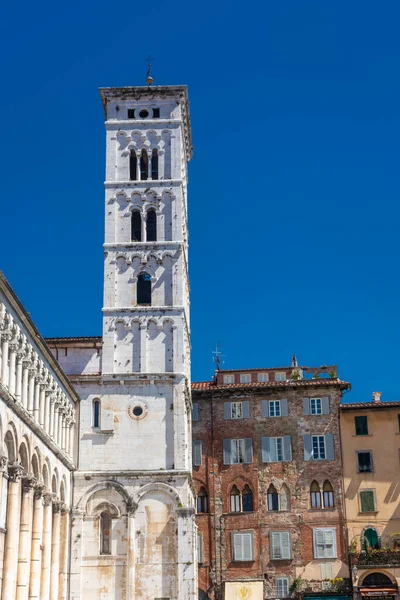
x,y
282,587
280,545
235,503
238,451
280,376
197,451
236,410
276,449
361,425
318,447
242,546
274,408
364,462
195,411
273,498
229,379
324,542
245,378
316,406
367,501
315,495
262,377
202,501
326,575
199,548
328,495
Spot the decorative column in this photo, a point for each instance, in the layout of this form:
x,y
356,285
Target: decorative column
x,y
42,403
18,377
12,537
36,399
47,539
25,383
36,551
143,228
11,372
47,408
138,174
149,161
71,438
52,413
25,539
143,338
3,511
60,425
5,339
55,552
31,389
64,538
55,421
131,553
161,163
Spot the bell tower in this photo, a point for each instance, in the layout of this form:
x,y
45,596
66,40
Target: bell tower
x,y
133,487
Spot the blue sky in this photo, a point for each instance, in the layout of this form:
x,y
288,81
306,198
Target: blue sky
x,y
294,183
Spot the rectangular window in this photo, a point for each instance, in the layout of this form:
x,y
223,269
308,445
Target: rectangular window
x,y
367,501
229,379
262,377
280,545
316,406
197,452
131,113
238,451
242,546
282,587
199,548
235,503
245,378
236,410
276,449
195,411
156,113
280,376
364,462
318,447
361,425
324,543
274,408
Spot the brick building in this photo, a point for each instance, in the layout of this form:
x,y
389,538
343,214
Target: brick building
x,y
268,479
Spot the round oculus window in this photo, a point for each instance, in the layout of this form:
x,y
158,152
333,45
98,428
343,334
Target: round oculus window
x,y
138,411
144,113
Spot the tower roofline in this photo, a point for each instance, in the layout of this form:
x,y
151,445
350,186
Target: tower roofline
x,y
146,92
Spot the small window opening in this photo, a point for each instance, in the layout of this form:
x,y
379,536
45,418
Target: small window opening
x,y
105,526
364,462
132,166
273,498
154,164
156,113
138,411
144,165
315,495
235,499
131,113
144,290
247,499
144,113
96,413
328,495
136,227
361,424
151,225
202,501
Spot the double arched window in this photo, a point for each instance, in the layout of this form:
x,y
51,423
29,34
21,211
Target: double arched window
x,y
144,290
241,501
278,501
324,500
202,501
151,226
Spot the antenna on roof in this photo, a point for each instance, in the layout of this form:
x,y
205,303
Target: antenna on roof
x,y
149,79
217,356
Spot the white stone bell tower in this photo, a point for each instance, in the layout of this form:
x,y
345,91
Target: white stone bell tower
x,y
134,504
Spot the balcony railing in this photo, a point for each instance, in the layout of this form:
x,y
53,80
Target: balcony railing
x,y
376,557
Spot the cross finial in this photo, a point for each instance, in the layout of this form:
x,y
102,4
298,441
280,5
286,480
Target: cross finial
x,y
149,79
217,356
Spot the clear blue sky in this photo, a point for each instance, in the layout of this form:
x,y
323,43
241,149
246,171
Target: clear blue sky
x,y
294,183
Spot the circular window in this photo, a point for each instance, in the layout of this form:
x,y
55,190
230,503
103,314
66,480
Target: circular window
x,y
137,411
144,113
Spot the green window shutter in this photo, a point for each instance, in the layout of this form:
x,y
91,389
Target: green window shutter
x,y
367,501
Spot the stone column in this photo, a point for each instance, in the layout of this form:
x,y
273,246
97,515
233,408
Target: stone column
x,y
143,338
161,153
55,552
42,403
131,554
25,539
143,226
12,536
36,551
47,539
18,378
3,511
11,371
5,339
64,545
25,383
31,390
47,409
71,439
52,412
149,161
60,426
55,422
138,174
36,399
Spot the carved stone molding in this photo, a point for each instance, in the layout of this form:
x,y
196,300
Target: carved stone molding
x,y
48,499
28,483
38,490
15,472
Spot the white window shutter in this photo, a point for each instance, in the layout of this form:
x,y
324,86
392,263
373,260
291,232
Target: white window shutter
x,y
275,544
237,546
306,406
272,450
285,544
247,546
319,543
284,407
265,408
248,450
307,447
246,409
266,449
330,543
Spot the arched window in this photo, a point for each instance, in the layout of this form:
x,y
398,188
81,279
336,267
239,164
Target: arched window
x,y
371,539
284,498
151,225
202,501
132,166
235,499
247,499
315,495
96,413
273,498
144,165
377,580
154,164
328,495
136,226
105,533
144,290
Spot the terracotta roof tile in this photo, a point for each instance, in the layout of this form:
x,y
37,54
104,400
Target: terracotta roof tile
x,y
382,404
211,385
